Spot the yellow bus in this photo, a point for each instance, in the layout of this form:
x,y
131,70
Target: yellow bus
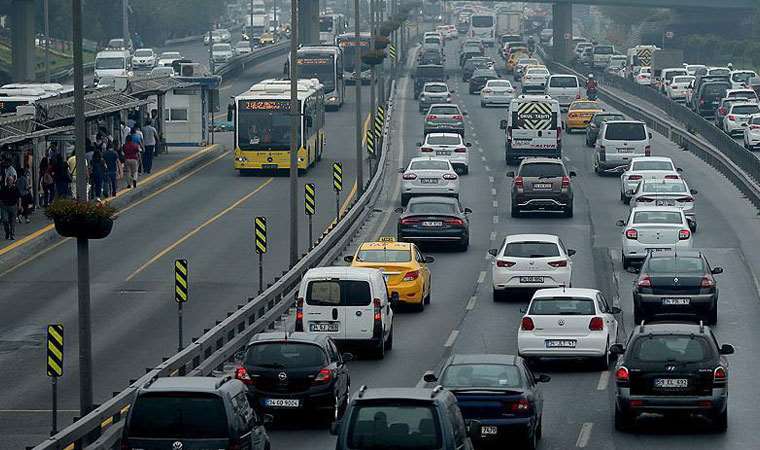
x,y
262,125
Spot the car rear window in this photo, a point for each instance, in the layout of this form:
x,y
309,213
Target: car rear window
x,y
429,165
338,293
481,21
607,117
432,208
625,131
445,110
742,77
563,82
430,72
141,53
664,188
499,84
432,40
436,88
676,265
481,375
531,249
538,72
683,79
719,72
443,140
756,120
671,348
604,50
383,256
178,415
663,217
391,425
673,73
585,105
745,109
715,89
743,94
651,165
284,354
484,73
562,306
542,170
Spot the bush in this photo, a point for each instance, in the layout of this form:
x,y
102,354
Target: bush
x,y
64,208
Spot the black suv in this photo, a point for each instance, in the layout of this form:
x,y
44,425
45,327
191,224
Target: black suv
x,y
671,369
295,372
398,418
207,412
676,285
542,184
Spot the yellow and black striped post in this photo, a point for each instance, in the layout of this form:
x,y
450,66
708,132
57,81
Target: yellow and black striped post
x,y
338,186
392,51
181,292
310,206
55,365
260,232
370,142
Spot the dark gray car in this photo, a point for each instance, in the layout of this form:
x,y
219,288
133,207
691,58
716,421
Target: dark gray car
x,y
542,184
592,130
478,62
435,220
444,118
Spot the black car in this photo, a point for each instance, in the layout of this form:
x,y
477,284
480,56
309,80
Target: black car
x,y
671,369
592,130
469,52
434,220
430,56
707,98
479,79
425,73
500,392
676,285
296,372
478,62
542,184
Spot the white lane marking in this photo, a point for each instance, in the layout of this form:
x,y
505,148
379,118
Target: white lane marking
x,y
482,277
495,204
490,179
493,236
471,303
495,219
488,169
480,150
584,435
452,338
474,135
604,379
493,191
483,158
566,159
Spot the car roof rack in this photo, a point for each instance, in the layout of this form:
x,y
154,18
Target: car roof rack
x,y
362,390
436,390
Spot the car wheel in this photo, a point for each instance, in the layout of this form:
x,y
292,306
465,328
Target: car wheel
x,y
623,421
379,351
626,262
588,144
389,341
712,319
531,440
637,315
693,226
720,421
466,170
464,244
426,300
515,212
569,211
497,295
603,362
540,428
626,200
482,104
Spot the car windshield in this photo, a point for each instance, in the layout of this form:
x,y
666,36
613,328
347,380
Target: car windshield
x,y
715,89
682,79
742,77
444,110
335,292
720,72
432,208
143,53
169,55
243,44
443,140
538,72
663,188
429,165
430,72
651,165
745,109
110,63
383,256
670,348
178,415
540,170
673,73
563,82
394,425
264,125
756,120
499,84
222,48
742,94
604,50
585,105
562,306
436,88
531,249
626,131
481,375
284,354
675,265
658,217
607,117
484,73
481,21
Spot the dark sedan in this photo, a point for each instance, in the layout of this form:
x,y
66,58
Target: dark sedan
x,y
592,130
434,220
478,62
676,285
479,79
296,372
501,393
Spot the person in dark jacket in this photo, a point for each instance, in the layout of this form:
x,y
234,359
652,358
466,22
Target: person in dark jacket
x,y
98,173
61,177
111,159
9,200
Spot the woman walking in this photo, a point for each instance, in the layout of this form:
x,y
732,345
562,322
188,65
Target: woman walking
x,y
98,173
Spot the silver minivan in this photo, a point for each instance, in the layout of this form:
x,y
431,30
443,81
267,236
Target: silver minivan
x,y
618,143
563,88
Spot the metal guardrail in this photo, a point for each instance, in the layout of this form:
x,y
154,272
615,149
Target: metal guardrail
x,y
238,63
219,344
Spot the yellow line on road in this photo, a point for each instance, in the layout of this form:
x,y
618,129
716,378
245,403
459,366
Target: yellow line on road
x,y
197,229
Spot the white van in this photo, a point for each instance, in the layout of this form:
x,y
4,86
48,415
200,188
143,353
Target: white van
x,y
563,88
483,26
350,304
113,64
618,143
533,128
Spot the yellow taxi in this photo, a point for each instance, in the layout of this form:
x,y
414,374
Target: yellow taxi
x,y
267,39
403,265
579,114
515,56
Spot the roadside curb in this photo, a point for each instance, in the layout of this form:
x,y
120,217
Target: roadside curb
x,y
44,238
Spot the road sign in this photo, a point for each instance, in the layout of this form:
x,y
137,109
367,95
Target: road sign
x,y
310,199
338,176
55,350
669,35
180,281
260,229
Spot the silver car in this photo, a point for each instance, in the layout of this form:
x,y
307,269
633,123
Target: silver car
x,y
667,192
534,79
434,92
497,92
653,229
645,168
428,176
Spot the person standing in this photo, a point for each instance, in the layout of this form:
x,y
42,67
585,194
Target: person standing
x,y
131,156
124,132
24,185
137,138
150,136
98,174
9,199
47,181
61,177
111,159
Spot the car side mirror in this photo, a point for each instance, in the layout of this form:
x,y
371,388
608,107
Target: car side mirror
x,y
620,223
503,124
716,270
401,170
465,113
452,91
334,427
348,259
419,144
694,191
467,211
399,210
447,77
617,349
572,173
429,259
429,377
523,310
543,378
727,349
469,144
493,251
650,135
615,310
474,428
347,357
679,170
511,174
570,252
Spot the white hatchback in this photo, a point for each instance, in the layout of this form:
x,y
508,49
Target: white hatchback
x,y
496,92
530,261
752,133
448,146
738,117
428,176
667,192
568,323
563,88
646,168
653,229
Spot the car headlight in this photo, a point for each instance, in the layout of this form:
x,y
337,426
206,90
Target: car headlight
x,y
333,98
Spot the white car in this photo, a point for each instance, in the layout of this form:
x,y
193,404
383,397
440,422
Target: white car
x,y
166,59
522,63
535,79
651,229
677,89
162,71
568,323
428,176
499,92
563,88
530,261
667,192
692,69
747,95
222,52
646,168
738,116
740,78
752,133
643,76
143,58
243,47
448,146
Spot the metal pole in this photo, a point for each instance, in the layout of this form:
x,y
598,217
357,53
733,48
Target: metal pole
x,y
337,205
211,113
211,51
294,127
83,250
125,21
373,77
250,30
311,234
358,79
46,13
179,326
261,273
54,430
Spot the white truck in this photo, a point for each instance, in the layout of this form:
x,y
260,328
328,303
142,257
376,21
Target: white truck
x,y
507,22
259,27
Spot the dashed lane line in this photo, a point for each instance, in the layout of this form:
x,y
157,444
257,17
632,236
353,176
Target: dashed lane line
x,y
495,219
471,303
604,379
495,204
482,277
490,179
493,236
452,338
584,435
493,191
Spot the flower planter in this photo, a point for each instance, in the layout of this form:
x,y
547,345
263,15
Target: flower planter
x,y
83,227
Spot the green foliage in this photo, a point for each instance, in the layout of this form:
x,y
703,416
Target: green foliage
x,y
70,209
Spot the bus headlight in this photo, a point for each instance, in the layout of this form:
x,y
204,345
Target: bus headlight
x,y
241,159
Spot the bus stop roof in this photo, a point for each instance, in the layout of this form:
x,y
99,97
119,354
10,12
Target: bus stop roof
x,y
17,129
145,86
56,112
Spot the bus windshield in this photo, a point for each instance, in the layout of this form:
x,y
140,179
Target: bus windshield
x,y
264,125
321,67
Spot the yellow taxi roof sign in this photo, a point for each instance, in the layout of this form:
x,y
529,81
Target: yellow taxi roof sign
x,y
387,239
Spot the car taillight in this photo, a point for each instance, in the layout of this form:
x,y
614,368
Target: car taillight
x,y
449,176
644,282
720,375
571,115
242,375
644,200
672,177
560,263
234,444
634,177
702,102
412,275
454,221
378,310
754,127
431,117
460,150
632,234
458,117
565,182
409,176
299,314
622,375
731,117
683,235
426,149
721,110
596,324
410,221
685,199
522,405
501,263
527,324
519,183
486,91
324,376
707,282
647,150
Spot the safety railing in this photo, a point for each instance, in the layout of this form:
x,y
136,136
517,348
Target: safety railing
x,y
239,63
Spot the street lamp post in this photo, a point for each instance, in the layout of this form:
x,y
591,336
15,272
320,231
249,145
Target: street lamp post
x,y
46,13
295,117
358,81
125,21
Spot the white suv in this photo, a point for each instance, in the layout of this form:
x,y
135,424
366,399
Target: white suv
x,y
738,117
618,143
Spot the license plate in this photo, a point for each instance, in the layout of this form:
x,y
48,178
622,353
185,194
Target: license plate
x,y
665,202
282,402
542,186
443,152
531,279
559,343
625,150
489,430
429,180
324,326
269,166
671,383
676,301
655,250
432,223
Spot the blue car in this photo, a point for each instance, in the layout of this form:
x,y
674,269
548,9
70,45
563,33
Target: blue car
x,y
500,392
